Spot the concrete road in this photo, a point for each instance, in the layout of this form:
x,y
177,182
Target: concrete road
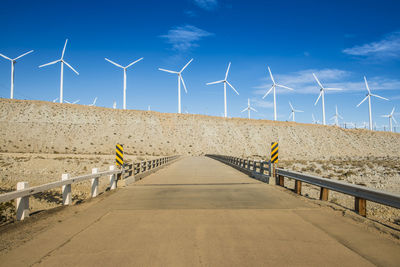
x,y
200,212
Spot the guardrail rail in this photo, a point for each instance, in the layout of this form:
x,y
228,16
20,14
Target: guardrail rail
x,y
128,174
360,193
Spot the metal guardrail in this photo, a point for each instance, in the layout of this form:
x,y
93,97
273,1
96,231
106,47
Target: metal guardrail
x,y
361,193
23,192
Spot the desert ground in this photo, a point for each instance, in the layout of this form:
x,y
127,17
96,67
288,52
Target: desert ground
x,y
41,140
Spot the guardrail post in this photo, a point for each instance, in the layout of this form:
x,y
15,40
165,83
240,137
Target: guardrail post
x,y
22,203
95,183
360,206
324,194
66,190
281,180
297,187
270,169
262,167
113,181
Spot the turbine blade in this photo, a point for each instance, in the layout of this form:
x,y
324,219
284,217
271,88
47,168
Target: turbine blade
x,y
385,116
134,62
366,84
333,89
63,52
51,63
394,120
291,114
391,113
227,71
215,82
187,64
380,97
1,55
279,85
340,116
253,109
70,67
232,88
267,93
23,55
319,83
363,100
297,110
66,101
184,86
76,101
290,104
270,74
244,110
318,98
112,62
170,71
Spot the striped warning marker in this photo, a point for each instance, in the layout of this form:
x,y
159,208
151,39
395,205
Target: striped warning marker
x,y
274,152
119,154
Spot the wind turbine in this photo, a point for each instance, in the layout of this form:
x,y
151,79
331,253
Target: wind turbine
x,y
225,81
13,61
114,105
293,111
391,117
369,94
180,79
274,85
322,93
336,117
76,101
314,120
249,108
62,69
94,102
124,68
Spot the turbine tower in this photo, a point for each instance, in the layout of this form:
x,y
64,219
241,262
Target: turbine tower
x,y
322,93
274,85
225,81
336,117
13,61
391,117
369,94
180,79
124,68
249,108
62,69
293,111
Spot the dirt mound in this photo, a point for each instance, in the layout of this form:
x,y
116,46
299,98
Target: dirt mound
x,y
44,127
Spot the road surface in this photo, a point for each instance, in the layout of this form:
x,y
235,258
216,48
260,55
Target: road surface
x,y
200,212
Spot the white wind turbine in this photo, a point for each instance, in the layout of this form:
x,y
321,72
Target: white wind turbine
x,y
248,108
322,93
336,117
274,85
293,111
391,117
62,69
124,68
314,120
225,81
369,102
180,79
94,102
13,61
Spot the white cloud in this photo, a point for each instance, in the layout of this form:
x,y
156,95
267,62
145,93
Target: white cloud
x,y
303,82
206,4
388,47
257,102
183,38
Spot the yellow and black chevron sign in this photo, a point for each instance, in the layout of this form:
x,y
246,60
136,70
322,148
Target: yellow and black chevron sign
x,y
274,152
119,154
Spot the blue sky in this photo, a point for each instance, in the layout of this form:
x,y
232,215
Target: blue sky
x,y
341,41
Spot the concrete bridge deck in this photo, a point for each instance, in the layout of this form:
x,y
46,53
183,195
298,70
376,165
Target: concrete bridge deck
x,y
200,212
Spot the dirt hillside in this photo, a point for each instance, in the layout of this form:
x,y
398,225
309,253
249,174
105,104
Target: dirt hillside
x,y
43,127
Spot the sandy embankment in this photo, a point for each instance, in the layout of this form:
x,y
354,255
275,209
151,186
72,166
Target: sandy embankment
x,y
40,140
